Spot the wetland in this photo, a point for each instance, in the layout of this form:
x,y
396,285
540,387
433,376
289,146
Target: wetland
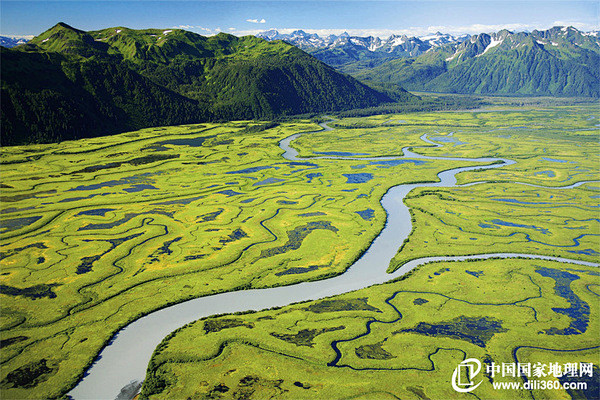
x,y
175,228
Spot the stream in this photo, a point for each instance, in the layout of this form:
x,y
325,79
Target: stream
x,y
121,365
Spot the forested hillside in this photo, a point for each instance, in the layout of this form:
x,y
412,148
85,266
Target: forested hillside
x,y
67,83
556,62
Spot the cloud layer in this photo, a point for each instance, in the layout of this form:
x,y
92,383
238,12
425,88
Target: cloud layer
x,y
409,31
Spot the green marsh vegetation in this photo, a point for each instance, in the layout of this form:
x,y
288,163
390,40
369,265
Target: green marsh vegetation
x,y
98,232
404,339
403,342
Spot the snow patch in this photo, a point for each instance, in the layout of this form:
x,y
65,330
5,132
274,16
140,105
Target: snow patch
x,y
374,46
453,57
357,42
492,44
397,42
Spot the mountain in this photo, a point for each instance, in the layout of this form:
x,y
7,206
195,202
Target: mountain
x,y
12,41
341,50
67,83
560,61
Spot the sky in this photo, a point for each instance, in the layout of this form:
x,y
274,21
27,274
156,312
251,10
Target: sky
x,y
359,18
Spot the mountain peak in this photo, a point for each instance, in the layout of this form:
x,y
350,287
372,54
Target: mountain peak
x,y
64,26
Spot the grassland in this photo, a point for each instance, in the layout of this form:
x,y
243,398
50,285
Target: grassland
x,y
396,340
404,339
95,233
98,232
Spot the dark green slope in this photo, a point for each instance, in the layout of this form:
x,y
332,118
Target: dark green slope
x,y
47,97
67,83
528,70
556,62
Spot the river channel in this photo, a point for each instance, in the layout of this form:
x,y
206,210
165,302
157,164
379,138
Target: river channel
x,y
123,362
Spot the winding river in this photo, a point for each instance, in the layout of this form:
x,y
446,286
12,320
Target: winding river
x,y
123,362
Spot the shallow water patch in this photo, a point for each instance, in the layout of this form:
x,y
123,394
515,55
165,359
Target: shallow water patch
x,y
367,214
476,274
210,216
394,163
299,270
32,292
557,160
548,173
99,211
339,153
325,306
8,253
139,188
268,181
579,310
251,170
312,214
471,329
192,142
131,180
296,236
505,223
358,178
180,201
305,337
8,225
229,193
235,235
311,176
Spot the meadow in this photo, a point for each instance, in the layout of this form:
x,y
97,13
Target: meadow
x,y
397,340
404,339
98,232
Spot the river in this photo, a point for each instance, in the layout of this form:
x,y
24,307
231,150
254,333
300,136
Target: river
x,y
122,363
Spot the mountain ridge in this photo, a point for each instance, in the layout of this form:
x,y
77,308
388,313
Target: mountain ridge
x,y
560,61
129,79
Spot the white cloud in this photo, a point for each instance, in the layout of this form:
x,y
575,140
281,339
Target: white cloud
x,y
582,26
256,21
408,31
192,28
28,37
425,30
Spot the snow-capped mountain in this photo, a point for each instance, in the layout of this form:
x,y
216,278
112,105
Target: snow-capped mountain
x,y
560,61
356,48
12,41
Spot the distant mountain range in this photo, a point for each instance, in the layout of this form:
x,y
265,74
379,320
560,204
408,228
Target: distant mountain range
x,y
560,61
67,83
342,49
12,41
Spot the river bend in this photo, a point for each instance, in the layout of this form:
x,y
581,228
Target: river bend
x,y
124,360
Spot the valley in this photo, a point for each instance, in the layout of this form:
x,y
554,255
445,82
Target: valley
x,y
101,231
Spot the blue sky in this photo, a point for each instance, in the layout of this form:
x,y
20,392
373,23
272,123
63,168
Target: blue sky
x,y
378,18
